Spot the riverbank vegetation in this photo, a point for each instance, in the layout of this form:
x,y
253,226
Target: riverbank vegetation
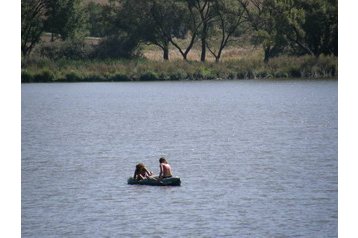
x,y
124,40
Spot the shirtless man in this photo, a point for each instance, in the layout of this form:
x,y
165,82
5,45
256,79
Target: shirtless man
x,y
165,169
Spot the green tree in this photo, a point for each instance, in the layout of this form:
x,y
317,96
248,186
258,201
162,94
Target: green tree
x,y
96,21
166,23
265,21
189,25
65,18
321,26
204,9
32,16
295,26
290,19
229,16
152,21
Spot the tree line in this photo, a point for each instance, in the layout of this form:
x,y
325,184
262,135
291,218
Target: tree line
x,y
294,27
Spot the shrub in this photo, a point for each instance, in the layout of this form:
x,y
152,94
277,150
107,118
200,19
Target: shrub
x,y
46,70
69,49
44,76
119,78
115,47
295,72
180,74
72,77
149,76
26,77
280,74
94,78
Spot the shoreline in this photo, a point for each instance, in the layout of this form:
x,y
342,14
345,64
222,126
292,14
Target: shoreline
x,y
41,70
181,80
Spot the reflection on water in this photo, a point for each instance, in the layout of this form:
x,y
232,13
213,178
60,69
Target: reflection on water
x,y
256,159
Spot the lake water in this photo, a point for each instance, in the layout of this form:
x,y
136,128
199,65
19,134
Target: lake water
x,y
256,159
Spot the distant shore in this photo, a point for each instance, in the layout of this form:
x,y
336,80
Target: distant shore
x,y
45,70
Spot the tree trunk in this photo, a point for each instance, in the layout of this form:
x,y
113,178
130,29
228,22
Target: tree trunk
x,y
203,49
166,51
203,43
185,57
267,54
218,56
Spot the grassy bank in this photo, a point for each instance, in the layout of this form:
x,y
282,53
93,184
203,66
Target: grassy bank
x,y
45,70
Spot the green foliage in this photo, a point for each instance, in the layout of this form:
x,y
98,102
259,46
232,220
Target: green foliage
x,y
98,22
43,76
153,21
69,49
142,70
149,76
227,20
321,26
295,26
116,46
72,77
179,74
119,77
32,13
280,27
65,18
26,77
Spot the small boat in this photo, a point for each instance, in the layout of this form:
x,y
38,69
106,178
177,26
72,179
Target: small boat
x,y
155,181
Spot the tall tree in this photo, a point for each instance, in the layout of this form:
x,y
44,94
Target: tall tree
x,y
229,17
190,25
263,17
299,26
204,9
290,18
321,25
65,18
153,21
167,23
32,16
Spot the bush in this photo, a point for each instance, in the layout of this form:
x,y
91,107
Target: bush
x,y
178,75
36,70
72,77
150,76
295,72
116,47
44,76
119,78
94,78
26,77
280,74
69,49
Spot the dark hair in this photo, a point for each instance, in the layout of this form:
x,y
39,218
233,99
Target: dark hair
x,y
139,167
162,160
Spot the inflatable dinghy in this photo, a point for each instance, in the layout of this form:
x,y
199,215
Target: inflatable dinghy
x,y
155,181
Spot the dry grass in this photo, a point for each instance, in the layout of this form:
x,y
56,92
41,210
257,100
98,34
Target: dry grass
x,y
230,53
45,70
152,52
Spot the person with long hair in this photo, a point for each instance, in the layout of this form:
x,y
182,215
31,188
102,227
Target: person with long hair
x,y
141,172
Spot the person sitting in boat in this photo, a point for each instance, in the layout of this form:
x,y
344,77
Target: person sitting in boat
x,y
141,172
165,169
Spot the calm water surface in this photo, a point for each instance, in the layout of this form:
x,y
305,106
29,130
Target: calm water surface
x,y
256,159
